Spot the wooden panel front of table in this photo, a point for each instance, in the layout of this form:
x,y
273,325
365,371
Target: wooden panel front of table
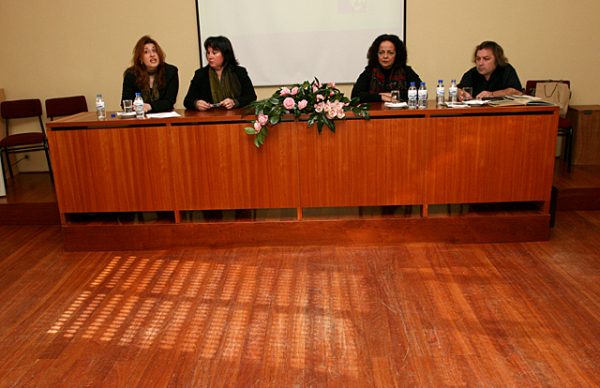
x,y
203,161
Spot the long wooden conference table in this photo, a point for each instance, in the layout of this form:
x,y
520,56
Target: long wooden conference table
x,y
495,162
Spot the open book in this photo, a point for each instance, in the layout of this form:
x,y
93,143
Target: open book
x,y
520,100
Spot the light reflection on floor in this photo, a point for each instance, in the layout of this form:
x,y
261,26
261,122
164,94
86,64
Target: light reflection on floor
x,y
222,311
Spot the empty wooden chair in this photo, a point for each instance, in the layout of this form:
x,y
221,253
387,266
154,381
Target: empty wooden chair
x,y
65,106
22,142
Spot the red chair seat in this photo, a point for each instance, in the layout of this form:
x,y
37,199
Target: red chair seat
x,y
564,122
21,139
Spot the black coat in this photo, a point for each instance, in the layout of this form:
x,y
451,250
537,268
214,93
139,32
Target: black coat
x,y
200,88
167,95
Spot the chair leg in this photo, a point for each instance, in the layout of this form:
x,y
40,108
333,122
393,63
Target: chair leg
x,y
49,164
569,148
7,157
3,174
553,199
46,148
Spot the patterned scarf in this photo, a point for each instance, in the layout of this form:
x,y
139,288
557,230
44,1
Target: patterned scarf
x,y
151,93
228,87
386,80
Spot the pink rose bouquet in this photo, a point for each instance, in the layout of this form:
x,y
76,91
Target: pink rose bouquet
x,y
321,104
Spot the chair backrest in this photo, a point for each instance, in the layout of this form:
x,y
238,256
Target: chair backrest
x,y
530,89
19,109
65,106
557,92
16,109
531,85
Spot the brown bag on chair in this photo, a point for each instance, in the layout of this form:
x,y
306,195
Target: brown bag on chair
x,y
557,93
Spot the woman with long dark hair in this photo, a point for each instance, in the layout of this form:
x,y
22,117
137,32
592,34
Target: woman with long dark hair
x,y
150,75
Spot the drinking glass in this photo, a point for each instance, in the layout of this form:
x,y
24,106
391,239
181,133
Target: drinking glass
x,y
395,96
469,90
127,106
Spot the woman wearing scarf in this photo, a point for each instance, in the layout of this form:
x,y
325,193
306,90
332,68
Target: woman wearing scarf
x,y
386,71
222,82
157,81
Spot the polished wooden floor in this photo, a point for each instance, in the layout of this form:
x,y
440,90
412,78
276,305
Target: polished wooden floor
x,y
487,315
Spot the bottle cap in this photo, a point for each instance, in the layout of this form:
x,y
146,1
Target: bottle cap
x,y
412,84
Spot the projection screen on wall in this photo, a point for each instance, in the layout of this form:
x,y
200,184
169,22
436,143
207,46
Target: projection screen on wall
x,y
281,42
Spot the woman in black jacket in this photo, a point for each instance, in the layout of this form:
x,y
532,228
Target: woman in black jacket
x,y
221,83
157,81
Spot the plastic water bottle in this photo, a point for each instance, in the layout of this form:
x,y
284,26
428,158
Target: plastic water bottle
x,y
138,106
440,93
422,95
453,92
100,108
412,96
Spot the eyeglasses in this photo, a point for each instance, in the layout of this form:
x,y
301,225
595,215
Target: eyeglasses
x,y
383,52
